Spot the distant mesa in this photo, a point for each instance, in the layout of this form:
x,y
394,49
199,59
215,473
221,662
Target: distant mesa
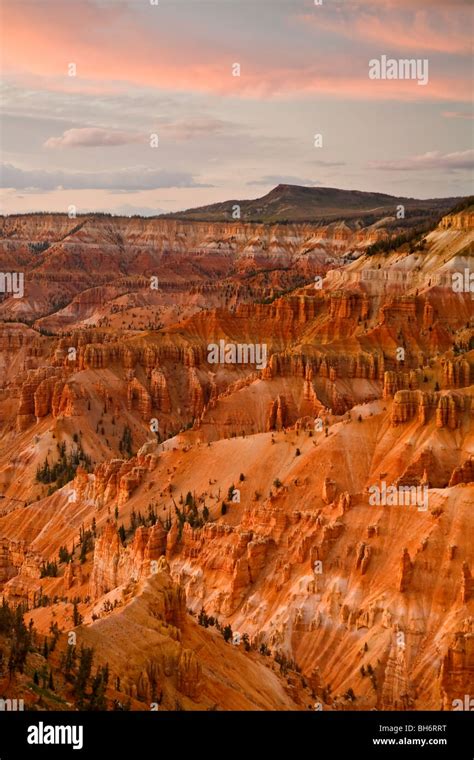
x,y
295,203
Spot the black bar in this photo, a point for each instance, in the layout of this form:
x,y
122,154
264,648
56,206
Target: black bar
x,y
310,734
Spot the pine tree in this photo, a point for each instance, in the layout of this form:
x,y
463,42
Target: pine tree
x,y
97,698
202,618
70,658
76,615
84,671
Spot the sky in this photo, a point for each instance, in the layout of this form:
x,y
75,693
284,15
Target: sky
x,y
138,107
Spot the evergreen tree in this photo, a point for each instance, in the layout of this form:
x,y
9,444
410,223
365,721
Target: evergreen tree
x,y
70,659
97,699
82,678
202,618
64,555
76,615
21,639
126,442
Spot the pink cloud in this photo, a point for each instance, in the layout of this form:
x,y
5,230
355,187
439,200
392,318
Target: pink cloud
x,y
113,49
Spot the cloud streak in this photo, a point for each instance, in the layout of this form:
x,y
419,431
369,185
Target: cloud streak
x,y
419,31
130,180
434,160
93,137
458,115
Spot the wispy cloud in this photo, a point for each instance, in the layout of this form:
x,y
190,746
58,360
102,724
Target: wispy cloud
x,y
458,115
419,31
183,130
328,163
461,160
195,128
130,180
92,137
